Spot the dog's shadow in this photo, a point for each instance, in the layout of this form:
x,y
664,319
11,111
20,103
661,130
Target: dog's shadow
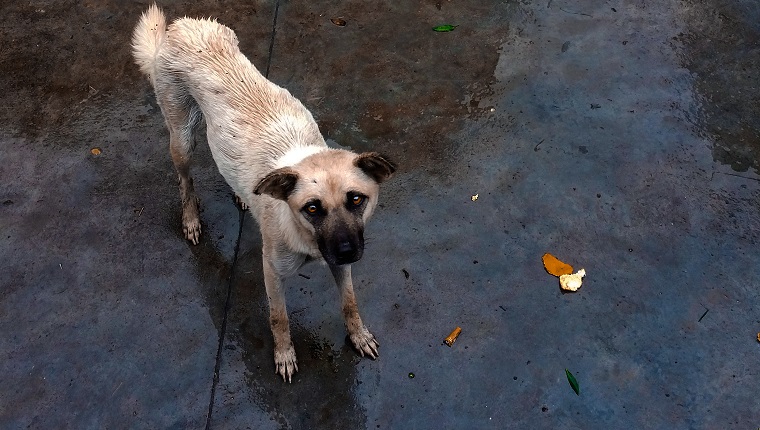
x,y
321,393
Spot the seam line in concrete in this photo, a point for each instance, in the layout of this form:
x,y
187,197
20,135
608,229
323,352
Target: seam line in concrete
x,y
223,330
271,41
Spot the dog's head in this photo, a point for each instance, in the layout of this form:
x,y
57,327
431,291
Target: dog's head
x,y
331,194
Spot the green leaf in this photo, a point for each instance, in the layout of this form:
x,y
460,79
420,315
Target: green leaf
x,y
573,382
444,28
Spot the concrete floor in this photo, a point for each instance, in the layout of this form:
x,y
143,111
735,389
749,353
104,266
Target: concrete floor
x,y
623,137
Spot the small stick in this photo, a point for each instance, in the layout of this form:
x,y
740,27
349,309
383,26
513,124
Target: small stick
x,y
117,388
703,315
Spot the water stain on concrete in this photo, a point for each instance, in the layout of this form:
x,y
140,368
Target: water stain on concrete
x,y
59,58
375,105
322,392
722,50
49,62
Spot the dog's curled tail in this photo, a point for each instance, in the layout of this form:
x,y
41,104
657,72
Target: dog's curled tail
x,y
147,39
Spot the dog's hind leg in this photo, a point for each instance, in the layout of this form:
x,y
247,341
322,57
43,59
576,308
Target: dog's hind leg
x,y
183,116
364,342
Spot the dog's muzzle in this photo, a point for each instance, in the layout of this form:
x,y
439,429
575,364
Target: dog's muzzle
x,y
342,249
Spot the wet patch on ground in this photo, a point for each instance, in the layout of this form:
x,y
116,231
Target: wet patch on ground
x,y
53,70
322,391
371,100
722,50
51,67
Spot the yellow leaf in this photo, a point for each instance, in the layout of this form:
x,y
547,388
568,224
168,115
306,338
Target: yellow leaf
x,y
95,151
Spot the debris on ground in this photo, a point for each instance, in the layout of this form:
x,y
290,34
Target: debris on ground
x,y
572,282
556,267
474,197
444,28
340,22
568,280
95,151
451,338
573,382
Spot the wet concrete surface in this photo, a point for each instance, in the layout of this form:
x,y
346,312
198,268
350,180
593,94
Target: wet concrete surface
x,y
621,137
722,48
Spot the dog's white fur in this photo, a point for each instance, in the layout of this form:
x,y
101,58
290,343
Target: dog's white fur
x,y
254,127
245,143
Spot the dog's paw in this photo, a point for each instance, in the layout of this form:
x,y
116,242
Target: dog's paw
x,y
240,203
192,230
191,223
365,343
285,363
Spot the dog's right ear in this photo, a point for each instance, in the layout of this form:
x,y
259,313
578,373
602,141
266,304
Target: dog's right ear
x,y
278,184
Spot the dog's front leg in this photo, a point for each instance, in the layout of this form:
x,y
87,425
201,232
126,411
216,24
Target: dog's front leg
x,y
363,340
284,354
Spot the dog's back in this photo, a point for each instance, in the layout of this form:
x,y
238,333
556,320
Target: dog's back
x,y
198,72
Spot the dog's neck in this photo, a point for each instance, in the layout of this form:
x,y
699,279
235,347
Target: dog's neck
x,y
296,154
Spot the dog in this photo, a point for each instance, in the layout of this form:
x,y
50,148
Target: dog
x,y
311,202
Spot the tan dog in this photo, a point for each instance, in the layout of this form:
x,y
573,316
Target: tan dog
x,y
311,202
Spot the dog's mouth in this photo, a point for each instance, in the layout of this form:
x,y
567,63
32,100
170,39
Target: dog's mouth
x,y
341,260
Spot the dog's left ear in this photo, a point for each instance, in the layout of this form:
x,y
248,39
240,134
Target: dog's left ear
x,y
278,184
375,165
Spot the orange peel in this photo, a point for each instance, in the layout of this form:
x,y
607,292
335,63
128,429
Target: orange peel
x,y
556,267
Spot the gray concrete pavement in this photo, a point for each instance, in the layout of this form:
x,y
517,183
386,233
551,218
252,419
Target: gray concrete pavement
x,y
622,137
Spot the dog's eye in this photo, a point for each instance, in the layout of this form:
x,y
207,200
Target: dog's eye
x,y
312,208
355,200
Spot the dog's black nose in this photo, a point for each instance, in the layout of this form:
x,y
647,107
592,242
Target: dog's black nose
x,y
345,250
